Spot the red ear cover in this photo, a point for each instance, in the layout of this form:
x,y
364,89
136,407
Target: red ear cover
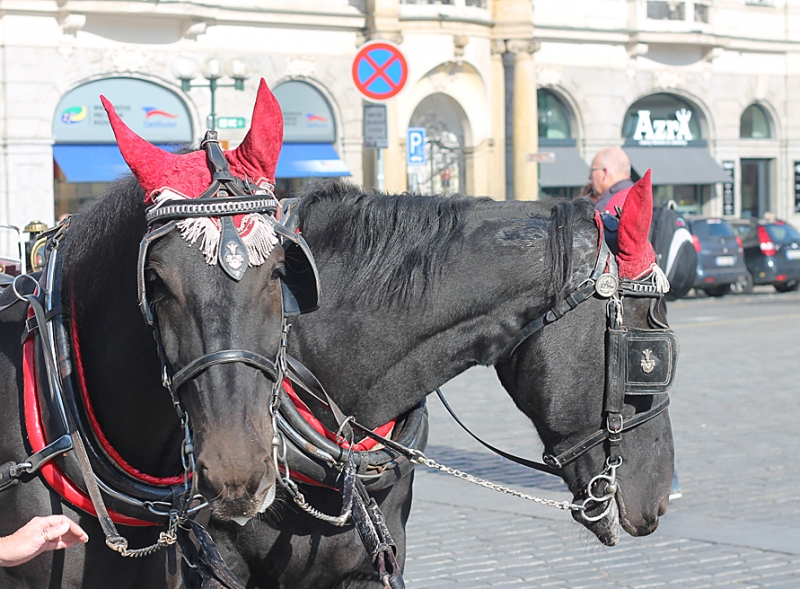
x,y
636,255
188,174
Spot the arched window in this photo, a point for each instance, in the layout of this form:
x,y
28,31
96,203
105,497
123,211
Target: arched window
x,y
755,123
662,119
553,116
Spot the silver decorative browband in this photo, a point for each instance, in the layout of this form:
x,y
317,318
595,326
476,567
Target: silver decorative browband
x,y
215,207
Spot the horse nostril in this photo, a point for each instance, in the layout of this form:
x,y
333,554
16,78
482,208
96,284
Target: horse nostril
x,y
202,481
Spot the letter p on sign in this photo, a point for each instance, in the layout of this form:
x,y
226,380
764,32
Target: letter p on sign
x,y
415,146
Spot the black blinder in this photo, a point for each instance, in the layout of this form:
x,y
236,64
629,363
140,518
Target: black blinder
x,y
651,357
301,282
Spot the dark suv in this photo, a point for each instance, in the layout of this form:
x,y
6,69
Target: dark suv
x,y
720,259
771,252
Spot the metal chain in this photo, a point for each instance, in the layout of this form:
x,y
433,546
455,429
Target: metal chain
x,y
168,538
420,458
279,448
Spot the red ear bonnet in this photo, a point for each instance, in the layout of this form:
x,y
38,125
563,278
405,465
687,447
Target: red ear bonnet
x,y
255,159
636,255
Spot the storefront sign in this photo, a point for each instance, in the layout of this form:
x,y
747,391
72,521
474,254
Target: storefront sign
x,y
154,112
307,116
663,132
376,135
727,188
797,187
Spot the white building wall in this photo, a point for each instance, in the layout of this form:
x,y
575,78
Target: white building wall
x,y
606,54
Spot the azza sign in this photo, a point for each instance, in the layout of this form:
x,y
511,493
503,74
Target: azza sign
x,y
379,70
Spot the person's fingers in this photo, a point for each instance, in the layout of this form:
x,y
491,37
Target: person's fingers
x,y
58,531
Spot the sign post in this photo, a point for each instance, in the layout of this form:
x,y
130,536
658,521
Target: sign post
x,y
380,72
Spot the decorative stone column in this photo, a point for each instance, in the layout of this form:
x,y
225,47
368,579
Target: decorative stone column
x,y
526,132
497,183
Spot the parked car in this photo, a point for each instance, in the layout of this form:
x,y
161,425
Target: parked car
x,y
771,253
720,256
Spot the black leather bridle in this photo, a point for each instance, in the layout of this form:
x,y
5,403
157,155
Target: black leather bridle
x,y
638,362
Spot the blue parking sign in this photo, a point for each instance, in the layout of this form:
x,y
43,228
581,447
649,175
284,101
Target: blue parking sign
x,y
415,146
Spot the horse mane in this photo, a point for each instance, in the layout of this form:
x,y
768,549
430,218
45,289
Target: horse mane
x,y
392,245
565,215
101,244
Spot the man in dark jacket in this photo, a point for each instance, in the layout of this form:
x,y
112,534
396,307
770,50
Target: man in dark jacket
x,y
610,176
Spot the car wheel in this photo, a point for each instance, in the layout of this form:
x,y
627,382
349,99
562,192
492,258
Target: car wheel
x,y
718,291
787,286
744,285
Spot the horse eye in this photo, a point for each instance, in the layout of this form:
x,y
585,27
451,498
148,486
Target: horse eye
x,y
278,272
152,277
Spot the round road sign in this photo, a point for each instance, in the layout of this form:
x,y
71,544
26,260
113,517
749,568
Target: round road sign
x,y
379,70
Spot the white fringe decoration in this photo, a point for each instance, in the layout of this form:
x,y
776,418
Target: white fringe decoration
x,y
259,240
659,278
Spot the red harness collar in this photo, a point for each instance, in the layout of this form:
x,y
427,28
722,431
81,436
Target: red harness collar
x,y
364,445
35,428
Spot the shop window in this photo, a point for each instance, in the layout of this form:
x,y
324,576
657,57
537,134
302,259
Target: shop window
x,y
553,116
701,13
662,119
666,10
755,123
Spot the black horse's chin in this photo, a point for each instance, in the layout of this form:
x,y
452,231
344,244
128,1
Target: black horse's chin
x,y
606,529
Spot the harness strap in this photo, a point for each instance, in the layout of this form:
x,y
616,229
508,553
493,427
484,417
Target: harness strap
x,y
195,367
584,292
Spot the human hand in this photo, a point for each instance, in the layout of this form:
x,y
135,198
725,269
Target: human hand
x,y
53,532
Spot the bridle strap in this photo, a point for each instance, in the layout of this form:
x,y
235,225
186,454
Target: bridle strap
x,y
198,365
600,435
513,458
570,302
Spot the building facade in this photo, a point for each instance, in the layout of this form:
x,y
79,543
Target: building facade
x,y
701,91
516,96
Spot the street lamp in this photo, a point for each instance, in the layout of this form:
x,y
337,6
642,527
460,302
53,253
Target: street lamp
x,y
185,69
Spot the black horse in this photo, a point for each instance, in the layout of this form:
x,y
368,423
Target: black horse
x,y
113,270
418,289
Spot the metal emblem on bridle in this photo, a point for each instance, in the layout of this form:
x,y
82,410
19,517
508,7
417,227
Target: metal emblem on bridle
x,y
648,362
606,285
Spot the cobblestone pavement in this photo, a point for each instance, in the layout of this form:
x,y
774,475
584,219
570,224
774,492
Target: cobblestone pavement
x,y
735,414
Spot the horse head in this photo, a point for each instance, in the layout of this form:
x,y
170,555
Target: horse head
x,y
217,313
601,372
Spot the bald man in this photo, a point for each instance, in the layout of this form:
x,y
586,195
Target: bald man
x,y
610,176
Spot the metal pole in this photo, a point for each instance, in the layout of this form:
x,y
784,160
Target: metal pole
x,y
380,169
212,118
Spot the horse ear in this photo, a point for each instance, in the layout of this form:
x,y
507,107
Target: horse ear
x,y
257,155
636,255
147,162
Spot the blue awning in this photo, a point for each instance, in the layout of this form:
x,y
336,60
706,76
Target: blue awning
x,y
310,160
94,163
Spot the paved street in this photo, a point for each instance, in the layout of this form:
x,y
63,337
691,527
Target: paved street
x,y
735,414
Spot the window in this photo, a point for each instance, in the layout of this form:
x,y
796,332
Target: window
x,y
755,123
666,10
660,115
553,116
701,13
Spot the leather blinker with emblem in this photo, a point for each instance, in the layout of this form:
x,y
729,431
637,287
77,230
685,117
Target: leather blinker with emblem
x,y
651,357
